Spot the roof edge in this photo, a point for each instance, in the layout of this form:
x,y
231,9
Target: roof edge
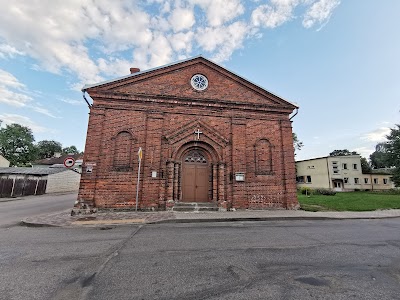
x,y
89,86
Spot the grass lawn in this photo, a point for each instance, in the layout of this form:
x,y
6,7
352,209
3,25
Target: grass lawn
x,y
349,201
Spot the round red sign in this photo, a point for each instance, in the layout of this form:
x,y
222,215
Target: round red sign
x,y
69,162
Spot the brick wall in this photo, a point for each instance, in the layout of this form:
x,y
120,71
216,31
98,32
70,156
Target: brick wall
x,y
159,111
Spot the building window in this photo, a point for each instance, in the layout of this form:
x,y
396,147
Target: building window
x,y
308,179
355,166
300,179
346,180
356,181
385,181
344,166
376,181
365,180
335,170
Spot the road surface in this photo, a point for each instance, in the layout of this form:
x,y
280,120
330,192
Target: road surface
x,y
335,259
12,212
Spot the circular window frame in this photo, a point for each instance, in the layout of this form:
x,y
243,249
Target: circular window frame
x,y
199,82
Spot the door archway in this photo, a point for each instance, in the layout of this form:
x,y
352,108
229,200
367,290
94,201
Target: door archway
x,y
196,173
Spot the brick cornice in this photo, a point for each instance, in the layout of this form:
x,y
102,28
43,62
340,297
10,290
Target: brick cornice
x,y
184,102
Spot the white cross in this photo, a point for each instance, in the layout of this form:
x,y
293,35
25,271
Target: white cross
x,y
198,132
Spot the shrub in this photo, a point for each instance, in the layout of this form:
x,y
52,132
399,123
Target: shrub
x,y
306,190
387,192
325,192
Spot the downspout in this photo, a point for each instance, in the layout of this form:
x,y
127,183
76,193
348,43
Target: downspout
x,y
329,175
84,97
297,111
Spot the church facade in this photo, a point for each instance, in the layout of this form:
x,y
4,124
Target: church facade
x,y
206,135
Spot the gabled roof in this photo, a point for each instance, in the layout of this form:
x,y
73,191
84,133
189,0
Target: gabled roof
x,y
32,171
57,160
89,86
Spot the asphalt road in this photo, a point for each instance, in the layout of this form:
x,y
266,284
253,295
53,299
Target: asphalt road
x,y
343,259
12,212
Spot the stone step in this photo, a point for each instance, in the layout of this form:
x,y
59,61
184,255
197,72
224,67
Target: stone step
x,y
195,206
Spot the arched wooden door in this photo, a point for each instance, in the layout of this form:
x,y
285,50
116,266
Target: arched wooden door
x,y
195,177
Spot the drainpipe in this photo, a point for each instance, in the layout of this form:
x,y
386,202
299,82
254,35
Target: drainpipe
x,y
329,175
372,183
87,102
297,111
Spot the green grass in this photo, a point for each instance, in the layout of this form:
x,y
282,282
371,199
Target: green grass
x,y
349,201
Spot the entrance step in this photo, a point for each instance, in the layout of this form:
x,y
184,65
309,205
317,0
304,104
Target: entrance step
x,y
195,206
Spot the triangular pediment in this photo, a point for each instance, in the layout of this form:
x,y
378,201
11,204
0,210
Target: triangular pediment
x,y
174,81
196,131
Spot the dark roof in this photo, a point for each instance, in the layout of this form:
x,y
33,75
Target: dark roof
x,y
57,160
32,171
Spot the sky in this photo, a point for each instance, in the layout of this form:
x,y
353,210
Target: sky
x,y
338,60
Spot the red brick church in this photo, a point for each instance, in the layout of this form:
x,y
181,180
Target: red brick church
x,y
207,135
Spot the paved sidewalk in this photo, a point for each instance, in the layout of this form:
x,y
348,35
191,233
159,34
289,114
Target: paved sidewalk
x,y
64,219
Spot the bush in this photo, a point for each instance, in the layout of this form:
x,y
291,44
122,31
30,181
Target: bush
x,y
387,192
306,190
325,192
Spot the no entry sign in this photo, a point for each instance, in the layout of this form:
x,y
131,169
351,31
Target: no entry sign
x,y
69,162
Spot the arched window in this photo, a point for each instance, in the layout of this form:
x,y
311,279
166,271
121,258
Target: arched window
x,y
263,157
122,151
195,157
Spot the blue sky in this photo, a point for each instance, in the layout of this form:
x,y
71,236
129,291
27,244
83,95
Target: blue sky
x,y
338,60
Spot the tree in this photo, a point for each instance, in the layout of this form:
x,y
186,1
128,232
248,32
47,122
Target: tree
x,y
393,152
296,143
343,152
379,158
70,150
365,166
16,144
46,149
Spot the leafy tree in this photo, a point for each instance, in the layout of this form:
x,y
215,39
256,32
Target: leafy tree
x,y
296,143
343,152
70,150
393,152
16,144
379,158
46,149
365,166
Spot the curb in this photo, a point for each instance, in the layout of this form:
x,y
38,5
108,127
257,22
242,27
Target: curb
x,y
209,220
32,224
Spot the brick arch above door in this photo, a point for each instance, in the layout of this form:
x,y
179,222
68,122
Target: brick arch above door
x,y
213,155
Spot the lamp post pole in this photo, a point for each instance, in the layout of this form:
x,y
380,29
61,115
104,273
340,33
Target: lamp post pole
x,y
140,153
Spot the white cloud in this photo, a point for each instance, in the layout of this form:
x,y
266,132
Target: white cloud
x,y
274,14
378,135
182,41
222,40
22,120
12,92
72,101
43,111
319,12
90,39
182,19
219,12
364,151
7,50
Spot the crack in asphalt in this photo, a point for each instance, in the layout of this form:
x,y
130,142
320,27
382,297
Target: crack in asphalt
x,y
80,287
